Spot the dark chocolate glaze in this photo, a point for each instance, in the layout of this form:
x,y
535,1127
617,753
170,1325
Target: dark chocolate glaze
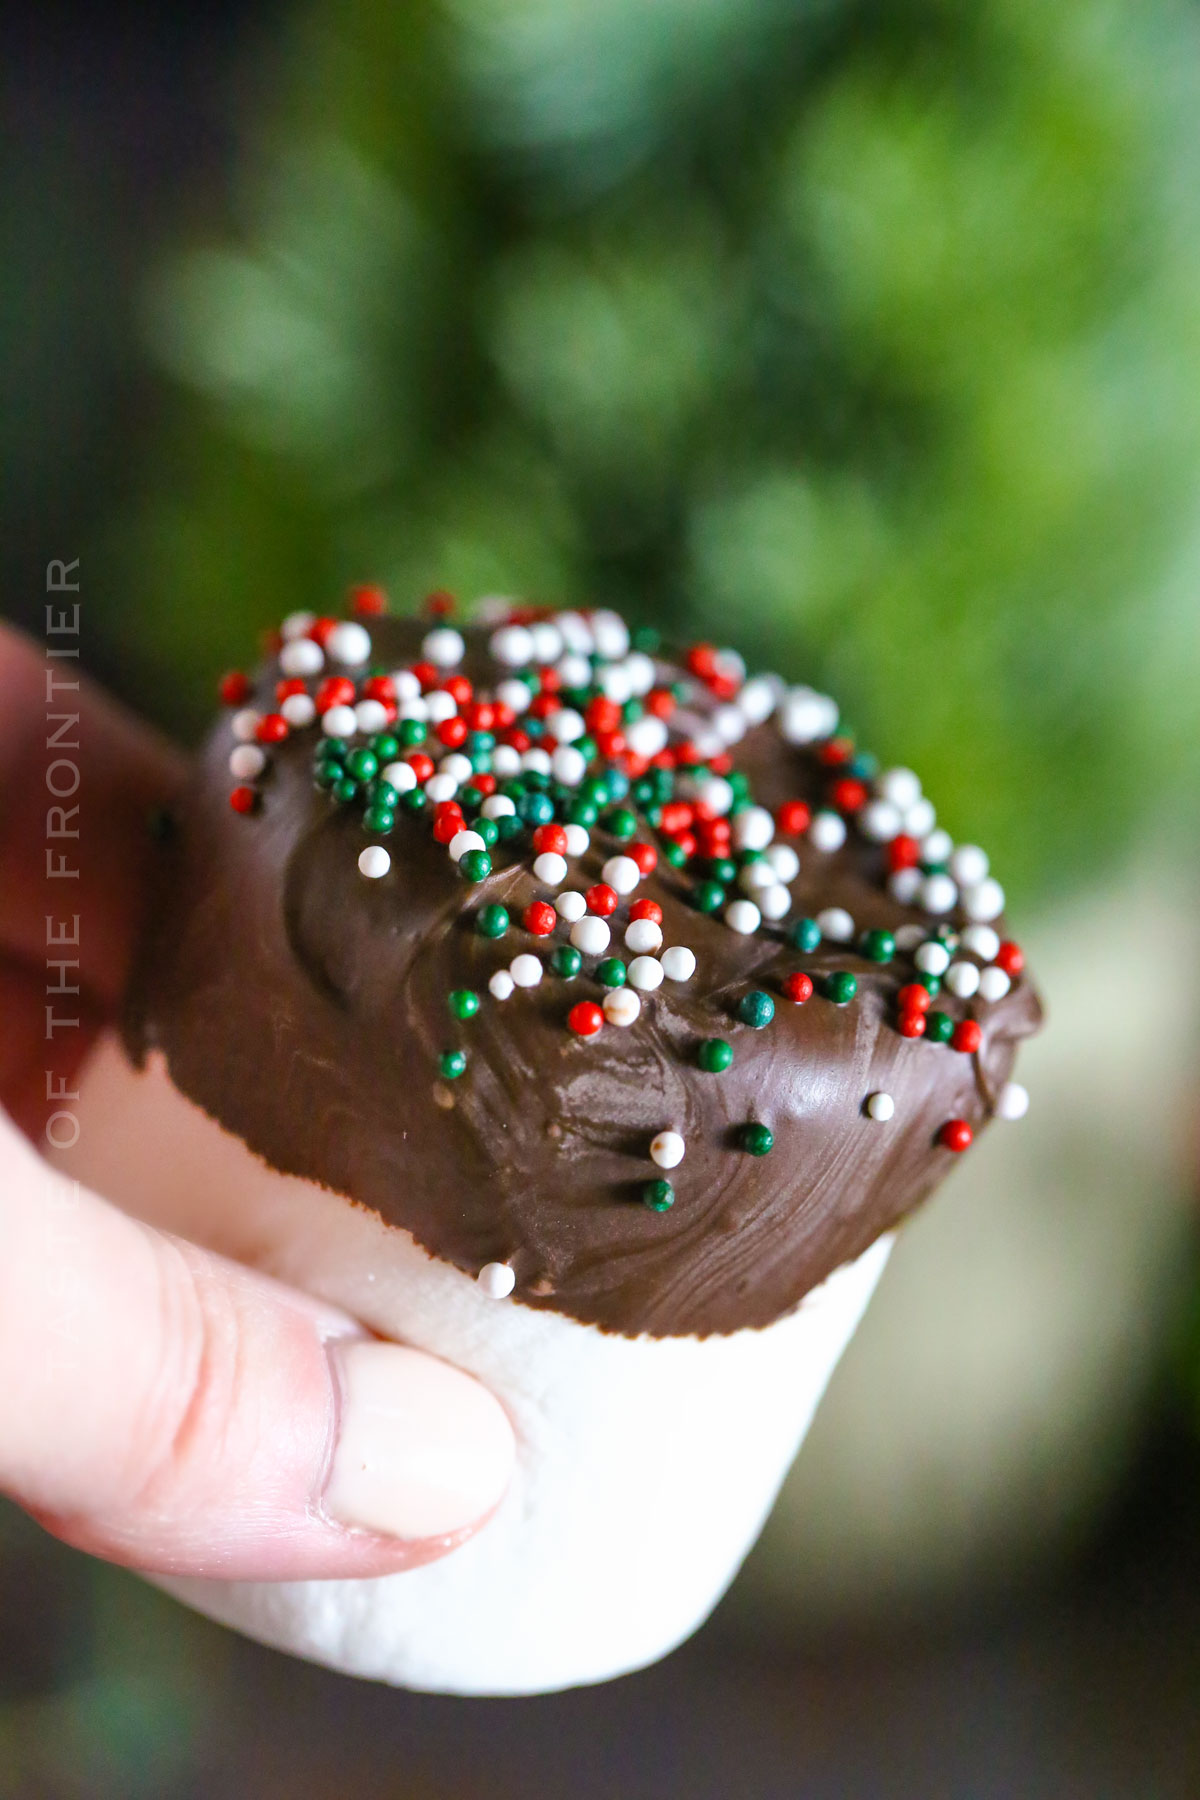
x,y
305,1009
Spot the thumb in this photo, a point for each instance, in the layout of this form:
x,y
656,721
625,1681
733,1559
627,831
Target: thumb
x,y
167,1409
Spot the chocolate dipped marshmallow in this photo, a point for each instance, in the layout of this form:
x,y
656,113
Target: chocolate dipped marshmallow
x,y
584,1013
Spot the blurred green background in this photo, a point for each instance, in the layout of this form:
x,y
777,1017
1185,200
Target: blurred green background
x,y
867,335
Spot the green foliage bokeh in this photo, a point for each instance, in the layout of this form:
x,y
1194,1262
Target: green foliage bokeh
x,y
865,335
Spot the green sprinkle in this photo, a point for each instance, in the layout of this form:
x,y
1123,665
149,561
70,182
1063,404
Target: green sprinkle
x,y
492,921
416,799
756,1008
709,897
385,746
757,1139
362,764
535,809
475,865
879,946
611,972
931,983
452,1063
659,1196
939,1027
621,823
675,854
379,819
566,961
327,773
582,812
464,1003
411,733
715,1055
334,749
487,830
344,790
470,797
840,987
723,869
806,935
509,827
647,639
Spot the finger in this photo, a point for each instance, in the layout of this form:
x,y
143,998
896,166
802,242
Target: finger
x,y
166,1409
124,771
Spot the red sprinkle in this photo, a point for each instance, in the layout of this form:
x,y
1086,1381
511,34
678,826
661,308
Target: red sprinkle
x,y
452,732
837,751
243,799
660,702
610,744
550,837
271,729
481,716
646,909
967,1036
440,604
956,1134
914,998
448,821
912,1024
335,690
321,630
702,660
676,816
485,783
368,602
585,1018
460,688
1011,958
285,689
540,918
234,688
849,795
421,766
798,987
428,674
602,714
601,899
903,852
380,687
644,855
793,817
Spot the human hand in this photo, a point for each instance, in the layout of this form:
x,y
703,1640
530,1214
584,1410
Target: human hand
x,y
160,1406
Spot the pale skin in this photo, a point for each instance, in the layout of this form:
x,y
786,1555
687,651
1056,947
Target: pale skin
x,y
160,1406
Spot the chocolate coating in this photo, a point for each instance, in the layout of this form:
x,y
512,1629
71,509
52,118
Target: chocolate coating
x,y
305,1009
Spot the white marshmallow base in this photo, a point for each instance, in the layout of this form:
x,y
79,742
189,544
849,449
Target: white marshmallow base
x,y
645,1468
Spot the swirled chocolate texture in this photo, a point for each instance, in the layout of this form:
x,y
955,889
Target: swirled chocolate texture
x,y
305,1009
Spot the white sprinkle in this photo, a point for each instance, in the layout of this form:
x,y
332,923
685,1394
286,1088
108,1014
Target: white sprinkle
x,y
1012,1102
373,862
969,865
621,873
716,794
413,708
646,973
577,636
577,839
568,765
506,761
406,685
920,818
836,924
512,645
247,761
758,698
880,821
535,761
937,847
667,1149
904,886
984,901
774,902
299,709
909,936
575,672
939,893
498,806
591,935
297,623
526,969
962,978
516,694
400,775
743,917
932,958
755,875
462,841
881,1106
784,861
615,683
621,1006
566,725
753,828
440,705
547,641
730,722
570,906
993,983
647,736
370,716
643,935
501,985
246,723
900,786
827,831
551,868
679,963
301,657
497,1280
457,765
339,721
981,941
610,632
805,715
440,788
642,673
349,643
444,646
